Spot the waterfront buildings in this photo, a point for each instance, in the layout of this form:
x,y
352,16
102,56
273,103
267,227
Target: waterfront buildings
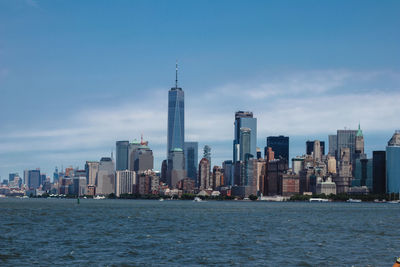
x,y
92,168
175,167
106,177
379,172
122,148
244,119
204,181
191,158
124,182
346,139
142,158
34,179
280,146
393,164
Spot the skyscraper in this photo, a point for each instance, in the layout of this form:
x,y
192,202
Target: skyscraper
x,y
176,134
176,117
244,119
204,181
346,139
34,179
191,158
379,172
393,164
122,148
280,146
92,168
124,182
310,147
106,177
333,145
359,144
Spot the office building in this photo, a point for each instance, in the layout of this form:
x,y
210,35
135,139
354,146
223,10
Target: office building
x,y
204,181
379,172
176,167
310,148
92,168
124,182
333,145
359,145
106,177
393,164
244,119
143,159
191,158
297,164
363,173
227,167
176,117
346,139
34,179
280,146
122,155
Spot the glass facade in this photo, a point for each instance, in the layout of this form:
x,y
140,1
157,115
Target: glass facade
x,y
122,155
244,119
191,158
379,172
393,169
346,138
280,146
176,119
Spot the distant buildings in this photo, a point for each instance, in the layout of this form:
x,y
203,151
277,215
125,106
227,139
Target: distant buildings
x,y
204,181
280,146
106,177
92,168
191,158
122,156
245,120
124,182
393,164
379,172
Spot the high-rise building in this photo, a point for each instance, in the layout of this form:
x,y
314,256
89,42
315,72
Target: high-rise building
x,y
131,154
343,180
217,177
122,148
333,145
143,159
245,143
269,154
346,139
363,173
11,177
359,145
191,158
92,168
393,164
280,146
124,182
176,167
176,134
244,119
34,179
204,181
228,172
207,153
176,117
310,147
106,177
379,172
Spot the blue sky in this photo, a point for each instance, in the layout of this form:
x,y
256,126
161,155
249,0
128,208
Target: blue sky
x,y
76,76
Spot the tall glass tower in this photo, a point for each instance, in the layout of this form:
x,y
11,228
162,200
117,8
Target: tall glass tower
x,y
176,117
176,135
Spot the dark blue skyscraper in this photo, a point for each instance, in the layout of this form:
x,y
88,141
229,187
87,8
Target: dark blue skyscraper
x,y
191,157
176,134
280,145
176,117
122,155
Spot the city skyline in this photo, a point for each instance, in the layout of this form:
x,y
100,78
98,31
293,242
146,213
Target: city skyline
x,y
59,108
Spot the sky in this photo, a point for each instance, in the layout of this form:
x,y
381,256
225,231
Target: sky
x,y
76,76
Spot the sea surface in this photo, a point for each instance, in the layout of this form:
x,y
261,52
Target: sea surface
x,y
61,232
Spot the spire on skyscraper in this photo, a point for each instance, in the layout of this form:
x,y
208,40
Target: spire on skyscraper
x,y
176,74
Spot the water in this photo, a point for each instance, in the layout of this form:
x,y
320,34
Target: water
x,y
60,232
